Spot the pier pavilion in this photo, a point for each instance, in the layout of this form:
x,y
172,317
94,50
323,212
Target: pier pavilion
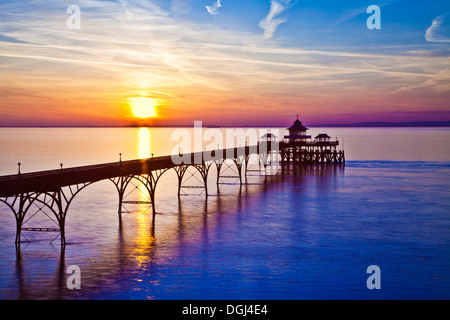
x,y
299,148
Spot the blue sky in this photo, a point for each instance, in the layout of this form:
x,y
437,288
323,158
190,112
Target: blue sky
x,y
324,23
264,60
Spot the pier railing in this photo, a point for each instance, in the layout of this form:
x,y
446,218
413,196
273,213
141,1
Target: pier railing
x,y
53,179
309,143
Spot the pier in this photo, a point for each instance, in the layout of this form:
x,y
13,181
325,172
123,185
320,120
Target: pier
x,y
298,147
54,190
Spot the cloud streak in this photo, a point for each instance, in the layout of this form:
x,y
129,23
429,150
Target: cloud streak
x,y
271,22
214,8
439,31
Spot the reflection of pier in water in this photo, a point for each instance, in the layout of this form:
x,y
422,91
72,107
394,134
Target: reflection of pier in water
x,y
196,221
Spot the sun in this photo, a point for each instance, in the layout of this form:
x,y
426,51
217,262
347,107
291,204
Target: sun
x,y
143,107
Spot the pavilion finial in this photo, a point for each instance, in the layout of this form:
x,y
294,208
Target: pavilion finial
x,y
297,116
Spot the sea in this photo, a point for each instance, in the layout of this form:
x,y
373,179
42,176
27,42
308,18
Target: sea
x,y
311,233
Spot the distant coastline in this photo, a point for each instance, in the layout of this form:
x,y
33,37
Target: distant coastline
x,y
382,124
374,124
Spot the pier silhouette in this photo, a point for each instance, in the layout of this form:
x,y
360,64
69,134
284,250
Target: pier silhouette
x,y
54,190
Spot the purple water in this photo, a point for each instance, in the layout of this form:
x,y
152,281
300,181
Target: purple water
x,y
309,234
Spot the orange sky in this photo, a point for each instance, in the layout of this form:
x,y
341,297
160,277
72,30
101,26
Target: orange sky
x,y
53,76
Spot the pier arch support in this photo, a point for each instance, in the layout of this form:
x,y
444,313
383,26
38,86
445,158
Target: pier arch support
x,y
148,181
183,171
57,202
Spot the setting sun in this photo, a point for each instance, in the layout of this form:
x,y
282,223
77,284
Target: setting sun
x,y
143,107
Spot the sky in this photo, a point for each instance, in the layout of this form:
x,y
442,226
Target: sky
x,y
223,62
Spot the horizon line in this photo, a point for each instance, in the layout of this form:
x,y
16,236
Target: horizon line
x,y
373,124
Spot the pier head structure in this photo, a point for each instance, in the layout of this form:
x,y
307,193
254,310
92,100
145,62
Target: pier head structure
x,y
298,148
53,191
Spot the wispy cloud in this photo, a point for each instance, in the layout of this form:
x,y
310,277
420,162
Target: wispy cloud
x,y
214,8
437,83
439,31
180,8
360,10
270,23
136,47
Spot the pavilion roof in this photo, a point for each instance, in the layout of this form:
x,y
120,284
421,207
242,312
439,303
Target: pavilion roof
x,y
323,136
298,126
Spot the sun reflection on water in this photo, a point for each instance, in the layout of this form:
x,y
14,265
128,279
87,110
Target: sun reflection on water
x,y
144,143
144,238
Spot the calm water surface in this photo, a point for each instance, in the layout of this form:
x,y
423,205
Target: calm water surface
x,y
308,234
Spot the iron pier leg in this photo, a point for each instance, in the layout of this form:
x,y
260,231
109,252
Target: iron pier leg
x,y
120,206
63,232
61,217
18,229
20,215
